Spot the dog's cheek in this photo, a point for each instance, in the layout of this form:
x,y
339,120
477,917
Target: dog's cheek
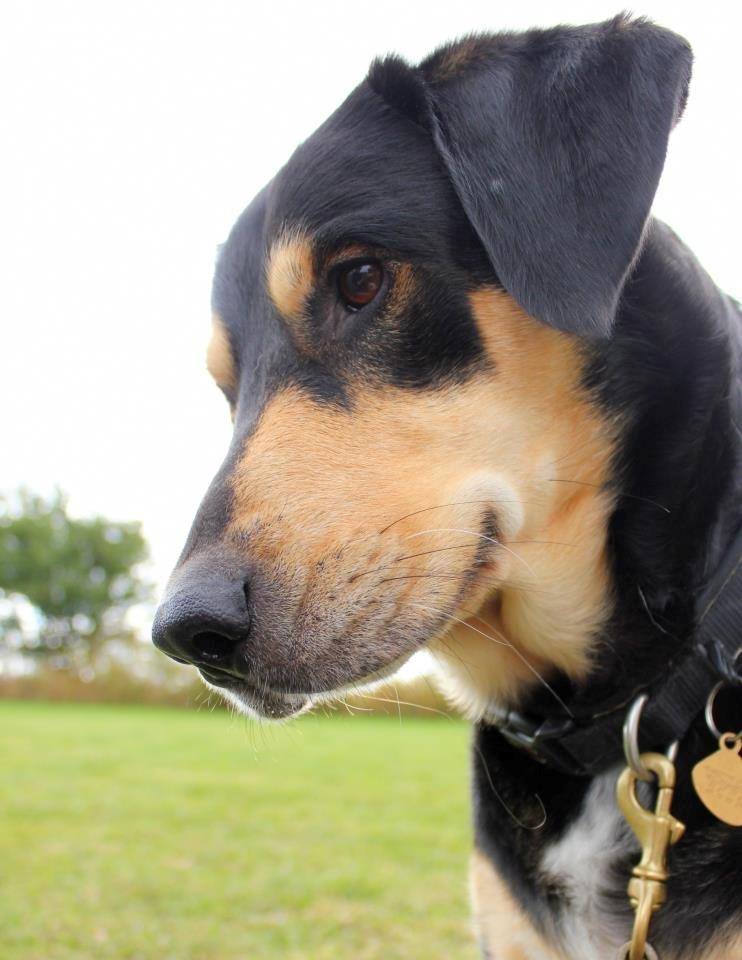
x,y
549,438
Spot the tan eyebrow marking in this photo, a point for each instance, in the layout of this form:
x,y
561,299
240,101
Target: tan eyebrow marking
x,y
219,357
290,275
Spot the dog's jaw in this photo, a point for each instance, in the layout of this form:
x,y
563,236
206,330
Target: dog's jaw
x,y
262,704
276,706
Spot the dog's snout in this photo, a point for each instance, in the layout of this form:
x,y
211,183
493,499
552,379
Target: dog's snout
x,y
204,620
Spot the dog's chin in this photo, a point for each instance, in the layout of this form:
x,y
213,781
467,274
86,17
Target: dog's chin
x,y
262,704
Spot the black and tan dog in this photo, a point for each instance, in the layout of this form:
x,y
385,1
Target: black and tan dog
x,y
482,403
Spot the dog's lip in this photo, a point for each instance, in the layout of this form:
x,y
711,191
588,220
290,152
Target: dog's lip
x,y
276,704
273,703
218,678
260,700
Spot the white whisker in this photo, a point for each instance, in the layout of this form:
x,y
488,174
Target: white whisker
x,y
502,642
407,703
472,533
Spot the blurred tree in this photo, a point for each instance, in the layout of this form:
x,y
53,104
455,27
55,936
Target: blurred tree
x,y
66,584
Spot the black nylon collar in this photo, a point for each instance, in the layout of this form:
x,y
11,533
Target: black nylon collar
x,y
578,746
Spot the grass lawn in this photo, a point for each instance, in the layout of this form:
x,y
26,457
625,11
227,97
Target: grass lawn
x,y
163,834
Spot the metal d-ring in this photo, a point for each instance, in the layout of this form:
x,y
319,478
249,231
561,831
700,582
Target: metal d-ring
x,y
709,711
631,740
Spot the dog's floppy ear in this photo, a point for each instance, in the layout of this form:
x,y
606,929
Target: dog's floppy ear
x,y
554,141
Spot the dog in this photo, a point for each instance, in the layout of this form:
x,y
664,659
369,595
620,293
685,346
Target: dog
x,y
485,404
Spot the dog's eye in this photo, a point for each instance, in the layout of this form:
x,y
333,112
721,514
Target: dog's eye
x,y
359,283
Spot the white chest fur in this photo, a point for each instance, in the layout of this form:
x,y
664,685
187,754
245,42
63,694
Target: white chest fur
x,y
582,861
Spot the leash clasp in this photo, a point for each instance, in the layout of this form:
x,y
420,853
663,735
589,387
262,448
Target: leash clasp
x,y
656,831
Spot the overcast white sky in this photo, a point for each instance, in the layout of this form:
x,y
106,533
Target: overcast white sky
x,y
134,133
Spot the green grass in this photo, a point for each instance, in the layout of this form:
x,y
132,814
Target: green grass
x,y
160,834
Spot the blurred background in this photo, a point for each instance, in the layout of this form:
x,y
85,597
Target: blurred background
x,y
141,820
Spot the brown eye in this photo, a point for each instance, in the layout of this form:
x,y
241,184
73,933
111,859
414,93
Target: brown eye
x,y
360,283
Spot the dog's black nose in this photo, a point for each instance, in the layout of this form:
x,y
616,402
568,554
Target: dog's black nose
x,y
204,620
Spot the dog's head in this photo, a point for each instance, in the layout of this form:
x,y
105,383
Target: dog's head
x,y
402,323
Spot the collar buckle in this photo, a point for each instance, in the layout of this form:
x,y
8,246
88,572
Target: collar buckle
x,y
539,737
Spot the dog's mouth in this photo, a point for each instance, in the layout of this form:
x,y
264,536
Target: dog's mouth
x,y
257,700
266,703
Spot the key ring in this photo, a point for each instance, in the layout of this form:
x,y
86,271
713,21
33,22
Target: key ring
x,y
709,711
649,952
631,740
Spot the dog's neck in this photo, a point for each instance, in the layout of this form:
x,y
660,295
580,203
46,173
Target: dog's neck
x,y
674,367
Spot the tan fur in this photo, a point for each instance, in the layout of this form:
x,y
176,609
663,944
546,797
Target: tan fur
x,y
501,926
332,473
729,949
290,276
219,357
556,448
321,491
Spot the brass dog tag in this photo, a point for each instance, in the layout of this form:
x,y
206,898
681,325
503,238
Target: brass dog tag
x,y
718,780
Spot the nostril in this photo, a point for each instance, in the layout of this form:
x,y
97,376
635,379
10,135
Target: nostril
x,y
204,618
212,647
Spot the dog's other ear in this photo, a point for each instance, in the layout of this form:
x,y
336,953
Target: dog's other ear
x,y
554,141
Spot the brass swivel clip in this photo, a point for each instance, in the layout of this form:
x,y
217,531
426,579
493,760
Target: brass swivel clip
x,y
656,831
